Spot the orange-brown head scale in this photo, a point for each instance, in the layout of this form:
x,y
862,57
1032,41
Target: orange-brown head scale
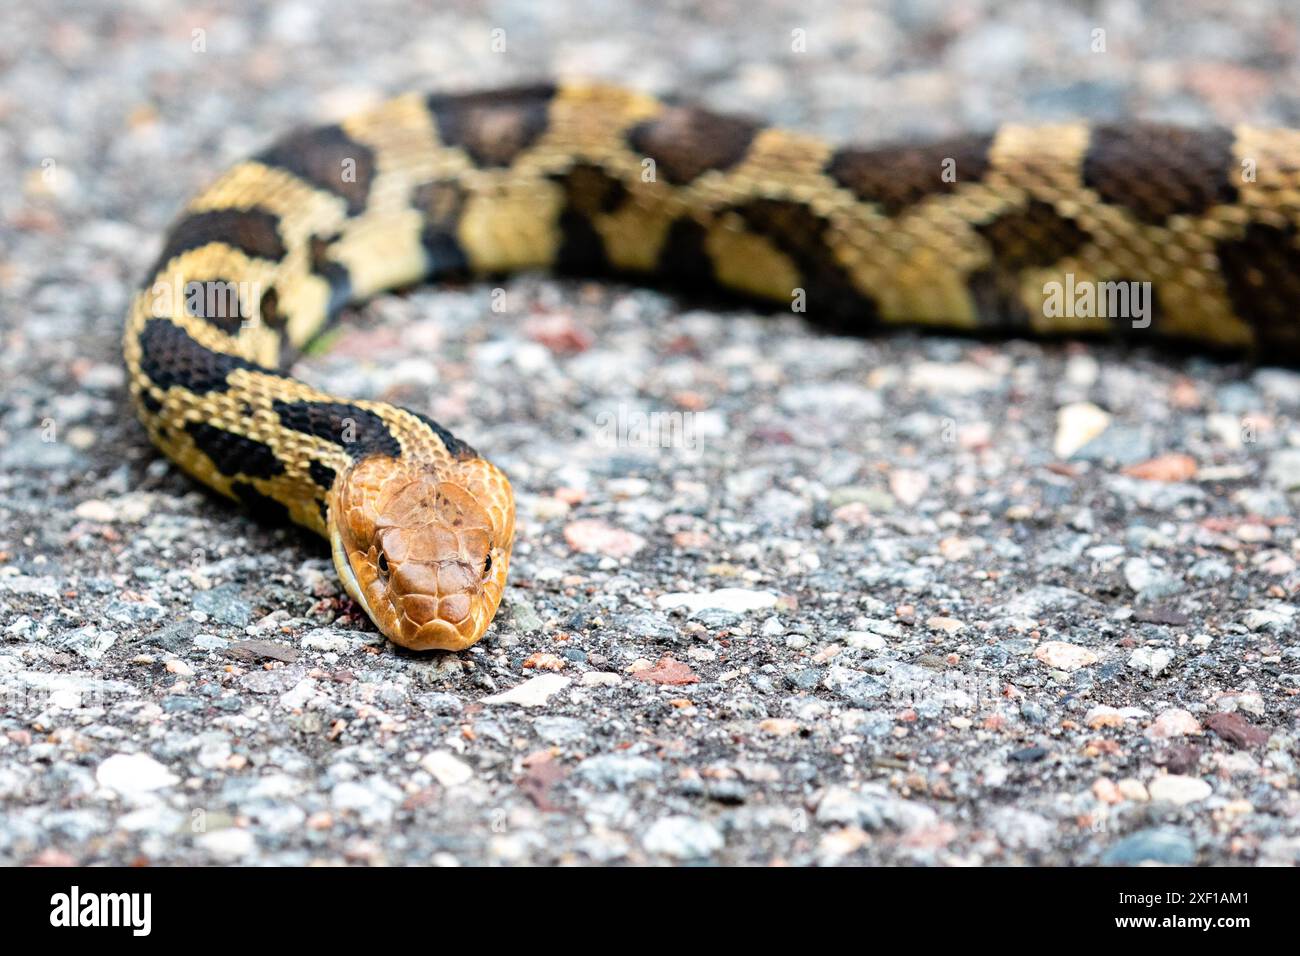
x,y
424,549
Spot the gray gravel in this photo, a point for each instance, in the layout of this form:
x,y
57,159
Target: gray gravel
x,y
912,599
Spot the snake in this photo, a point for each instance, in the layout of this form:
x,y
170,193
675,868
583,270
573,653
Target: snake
x,y
966,233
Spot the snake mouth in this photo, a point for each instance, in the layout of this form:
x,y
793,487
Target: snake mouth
x,y
344,568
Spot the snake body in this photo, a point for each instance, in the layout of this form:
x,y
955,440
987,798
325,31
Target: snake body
x,y
965,234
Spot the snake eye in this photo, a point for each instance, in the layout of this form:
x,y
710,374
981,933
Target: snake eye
x,y
383,564
487,566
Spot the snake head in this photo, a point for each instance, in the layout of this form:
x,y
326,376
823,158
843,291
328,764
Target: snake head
x,y
424,548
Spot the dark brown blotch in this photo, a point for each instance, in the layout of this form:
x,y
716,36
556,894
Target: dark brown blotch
x,y
254,232
169,356
1032,236
358,431
589,192
1156,171
686,142
329,159
493,127
322,474
896,178
234,454
441,203
262,507
1262,272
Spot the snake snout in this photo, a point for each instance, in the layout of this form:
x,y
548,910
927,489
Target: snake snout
x,y
426,556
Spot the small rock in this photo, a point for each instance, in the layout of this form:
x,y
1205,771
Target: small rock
x,y
1237,731
591,536
1104,789
542,660
1174,722
134,774
1153,660
1133,789
618,771
531,693
1076,425
1103,716
1155,845
667,671
735,600
1174,788
227,844
447,769
1064,656
683,838
1164,468
908,485
1275,617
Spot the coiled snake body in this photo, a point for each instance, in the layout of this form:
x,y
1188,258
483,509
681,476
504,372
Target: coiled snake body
x,y
965,234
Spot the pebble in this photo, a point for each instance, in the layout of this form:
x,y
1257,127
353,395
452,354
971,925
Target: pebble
x,y
531,693
1174,722
597,537
447,769
1103,716
1164,468
735,600
373,800
1153,660
1236,730
131,775
1275,617
1156,845
1064,656
1076,425
228,845
618,771
682,837
1132,789
1175,788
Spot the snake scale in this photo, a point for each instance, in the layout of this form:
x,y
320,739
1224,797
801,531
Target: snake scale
x,y
964,234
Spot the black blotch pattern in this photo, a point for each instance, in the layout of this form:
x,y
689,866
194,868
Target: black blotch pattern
x,y
234,454
218,301
323,475
1156,171
1262,272
334,273
686,142
455,446
896,177
1035,235
262,507
269,308
254,232
589,192
683,260
329,159
170,357
493,127
335,421
995,294
440,203
831,297
151,404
